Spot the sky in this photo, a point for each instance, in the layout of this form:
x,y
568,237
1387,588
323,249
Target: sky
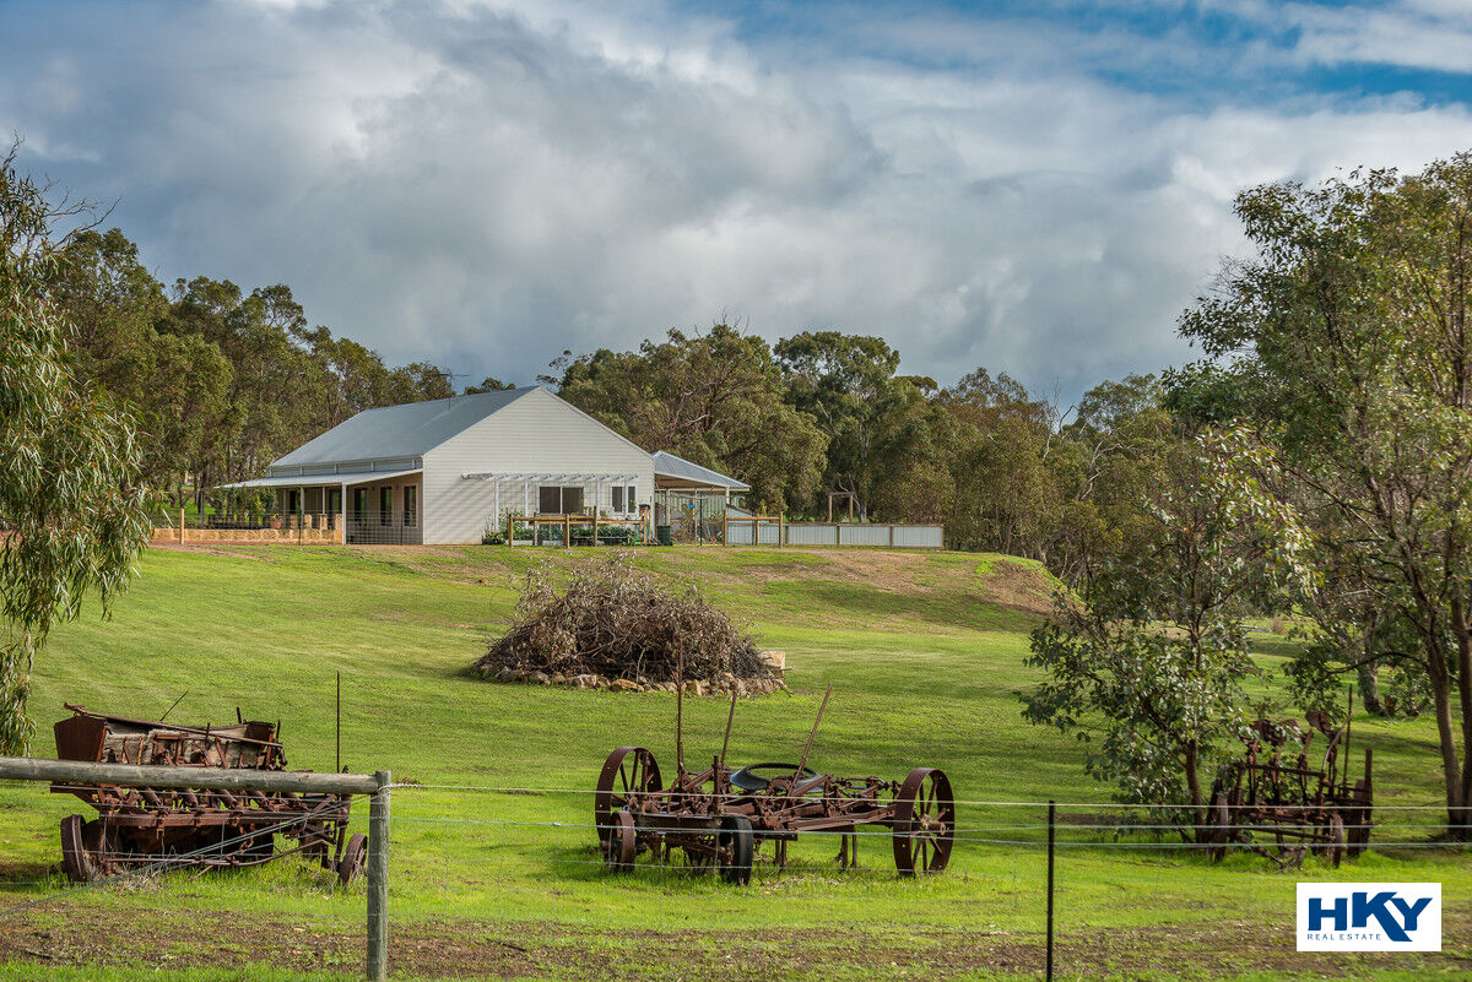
x,y
1037,187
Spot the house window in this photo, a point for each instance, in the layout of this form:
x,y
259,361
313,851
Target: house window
x,y
385,506
293,502
360,504
411,503
553,500
624,498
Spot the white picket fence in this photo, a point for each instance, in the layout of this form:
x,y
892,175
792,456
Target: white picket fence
x,y
771,533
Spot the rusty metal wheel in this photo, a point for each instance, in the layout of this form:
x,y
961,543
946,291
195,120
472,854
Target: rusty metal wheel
x,y
76,861
627,772
737,846
924,825
1334,848
354,854
621,845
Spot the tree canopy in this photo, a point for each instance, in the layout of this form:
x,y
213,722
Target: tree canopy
x,y
72,508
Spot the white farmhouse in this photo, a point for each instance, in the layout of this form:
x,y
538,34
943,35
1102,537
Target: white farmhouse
x,y
447,470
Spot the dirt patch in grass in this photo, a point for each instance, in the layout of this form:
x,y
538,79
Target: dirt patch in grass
x,y
86,935
1020,586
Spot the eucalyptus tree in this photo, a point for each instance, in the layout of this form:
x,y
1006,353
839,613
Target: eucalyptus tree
x,y
1351,322
72,513
1146,664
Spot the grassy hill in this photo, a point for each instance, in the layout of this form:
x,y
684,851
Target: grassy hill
x,y
925,652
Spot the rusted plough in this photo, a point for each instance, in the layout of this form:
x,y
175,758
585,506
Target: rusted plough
x,y
163,828
719,817
1274,802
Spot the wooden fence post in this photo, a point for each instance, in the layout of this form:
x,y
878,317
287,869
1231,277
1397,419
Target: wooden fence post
x,y
378,810
1052,824
181,526
510,529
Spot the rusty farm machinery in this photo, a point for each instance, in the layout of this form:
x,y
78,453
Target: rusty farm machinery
x,y
138,828
719,817
1273,802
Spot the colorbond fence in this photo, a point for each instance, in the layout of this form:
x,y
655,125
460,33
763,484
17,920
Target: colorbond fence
x,y
773,532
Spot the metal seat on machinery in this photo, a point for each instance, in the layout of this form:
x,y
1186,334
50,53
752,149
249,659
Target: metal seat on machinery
x,y
756,777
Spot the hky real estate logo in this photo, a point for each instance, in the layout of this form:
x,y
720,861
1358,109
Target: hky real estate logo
x,y
1369,917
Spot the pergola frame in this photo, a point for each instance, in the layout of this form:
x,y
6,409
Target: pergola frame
x,y
527,478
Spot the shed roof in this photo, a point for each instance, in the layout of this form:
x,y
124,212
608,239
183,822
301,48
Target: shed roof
x,y
410,430
667,464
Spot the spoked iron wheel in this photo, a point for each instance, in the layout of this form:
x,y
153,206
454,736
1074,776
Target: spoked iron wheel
x,y
621,844
353,856
627,772
924,822
76,860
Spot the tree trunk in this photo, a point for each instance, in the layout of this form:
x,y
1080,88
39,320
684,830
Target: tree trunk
x,y
1369,681
1462,819
1441,698
1193,785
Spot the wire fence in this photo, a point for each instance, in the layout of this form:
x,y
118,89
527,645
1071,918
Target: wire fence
x,y
436,819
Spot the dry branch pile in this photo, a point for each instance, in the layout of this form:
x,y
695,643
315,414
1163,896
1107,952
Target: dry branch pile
x,y
613,627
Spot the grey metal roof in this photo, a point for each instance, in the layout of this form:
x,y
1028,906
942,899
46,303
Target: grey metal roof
x,y
410,430
667,464
319,480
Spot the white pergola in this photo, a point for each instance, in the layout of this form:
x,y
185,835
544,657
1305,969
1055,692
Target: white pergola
x,y
527,478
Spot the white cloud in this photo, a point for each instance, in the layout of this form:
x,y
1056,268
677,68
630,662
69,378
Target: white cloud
x,y
484,185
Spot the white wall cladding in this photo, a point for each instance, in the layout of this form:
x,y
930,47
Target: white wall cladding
x,y
536,434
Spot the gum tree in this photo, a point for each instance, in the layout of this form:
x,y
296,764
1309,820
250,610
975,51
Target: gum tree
x,y
72,515
1146,664
1350,325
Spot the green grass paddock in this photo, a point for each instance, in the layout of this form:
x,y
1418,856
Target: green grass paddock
x,y
925,652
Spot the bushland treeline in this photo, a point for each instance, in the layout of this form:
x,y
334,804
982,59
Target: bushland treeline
x,y
221,381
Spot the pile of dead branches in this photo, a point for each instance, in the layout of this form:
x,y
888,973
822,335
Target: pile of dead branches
x,y
612,626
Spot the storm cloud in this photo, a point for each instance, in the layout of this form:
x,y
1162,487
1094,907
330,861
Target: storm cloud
x,y
484,186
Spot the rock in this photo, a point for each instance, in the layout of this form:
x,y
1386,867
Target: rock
x,y
507,674
776,659
585,681
537,678
624,685
558,679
